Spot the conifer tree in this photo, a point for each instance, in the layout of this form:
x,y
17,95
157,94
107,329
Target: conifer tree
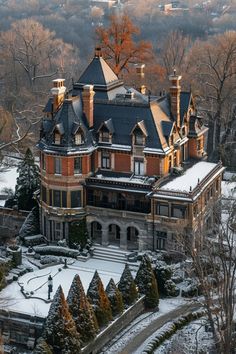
x,y
98,298
27,182
115,298
147,284
81,310
127,287
60,330
42,347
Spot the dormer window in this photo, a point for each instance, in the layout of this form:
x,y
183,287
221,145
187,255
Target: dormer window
x,y
79,139
105,136
57,138
138,138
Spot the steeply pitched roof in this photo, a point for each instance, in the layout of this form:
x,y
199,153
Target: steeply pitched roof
x,y
98,72
67,121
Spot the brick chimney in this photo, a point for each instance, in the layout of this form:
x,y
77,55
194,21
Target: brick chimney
x,y
88,95
175,90
58,91
141,74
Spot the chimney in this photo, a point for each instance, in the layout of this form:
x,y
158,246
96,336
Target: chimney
x,y
88,95
175,90
140,74
98,52
58,92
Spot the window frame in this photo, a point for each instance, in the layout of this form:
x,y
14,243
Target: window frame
x,y
78,170
139,169
57,166
105,160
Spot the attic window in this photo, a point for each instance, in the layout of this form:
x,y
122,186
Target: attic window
x,y
57,138
138,138
79,139
105,136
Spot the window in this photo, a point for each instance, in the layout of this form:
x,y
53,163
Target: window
x,y
57,166
183,131
105,136
58,198
199,144
57,138
138,138
77,165
178,211
106,160
139,167
44,194
79,139
161,240
57,230
43,164
75,199
162,209
175,158
170,163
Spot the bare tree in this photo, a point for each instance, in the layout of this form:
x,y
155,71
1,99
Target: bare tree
x,y
213,72
214,265
174,51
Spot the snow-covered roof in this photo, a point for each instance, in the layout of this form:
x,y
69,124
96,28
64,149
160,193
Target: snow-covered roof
x,y
191,177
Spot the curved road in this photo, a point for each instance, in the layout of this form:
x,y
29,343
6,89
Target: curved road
x,y
140,337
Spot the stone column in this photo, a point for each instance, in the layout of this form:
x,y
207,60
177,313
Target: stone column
x,y
105,236
123,239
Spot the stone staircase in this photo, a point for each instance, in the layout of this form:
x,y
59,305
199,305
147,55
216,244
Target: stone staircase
x,y
112,253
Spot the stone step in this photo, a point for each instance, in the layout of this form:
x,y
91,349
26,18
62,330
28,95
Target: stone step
x,y
109,252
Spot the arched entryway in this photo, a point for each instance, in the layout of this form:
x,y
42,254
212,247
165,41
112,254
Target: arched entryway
x,y
132,238
114,234
96,232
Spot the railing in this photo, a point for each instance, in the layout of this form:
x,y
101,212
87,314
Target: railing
x,y
141,208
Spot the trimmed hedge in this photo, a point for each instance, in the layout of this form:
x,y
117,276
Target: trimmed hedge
x,y
57,251
171,329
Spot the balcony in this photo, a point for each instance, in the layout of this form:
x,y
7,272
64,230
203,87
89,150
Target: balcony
x,y
138,207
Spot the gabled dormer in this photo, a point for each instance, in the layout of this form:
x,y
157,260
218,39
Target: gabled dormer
x,y
139,134
79,134
106,131
58,134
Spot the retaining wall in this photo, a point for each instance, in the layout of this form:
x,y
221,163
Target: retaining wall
x,y
110,332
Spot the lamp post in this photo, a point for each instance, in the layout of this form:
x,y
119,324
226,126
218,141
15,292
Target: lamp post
x,y
50,283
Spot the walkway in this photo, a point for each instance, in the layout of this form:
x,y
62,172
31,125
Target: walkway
x,y
138,340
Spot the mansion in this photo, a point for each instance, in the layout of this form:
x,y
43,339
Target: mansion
x,y
132,164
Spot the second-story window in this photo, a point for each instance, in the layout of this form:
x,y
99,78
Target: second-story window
x,y
139,167
77,165
57,166
162,209
106,160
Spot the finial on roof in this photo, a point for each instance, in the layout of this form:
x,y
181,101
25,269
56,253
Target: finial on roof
x,y
174,71
98,52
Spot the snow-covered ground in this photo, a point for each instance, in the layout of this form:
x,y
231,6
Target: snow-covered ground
x,y
139,324
36,281
191,339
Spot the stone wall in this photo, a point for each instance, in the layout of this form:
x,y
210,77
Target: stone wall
x,y
19,328
10,222
110,332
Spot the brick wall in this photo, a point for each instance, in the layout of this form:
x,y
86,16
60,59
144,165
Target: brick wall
x,y
153,165
122,162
